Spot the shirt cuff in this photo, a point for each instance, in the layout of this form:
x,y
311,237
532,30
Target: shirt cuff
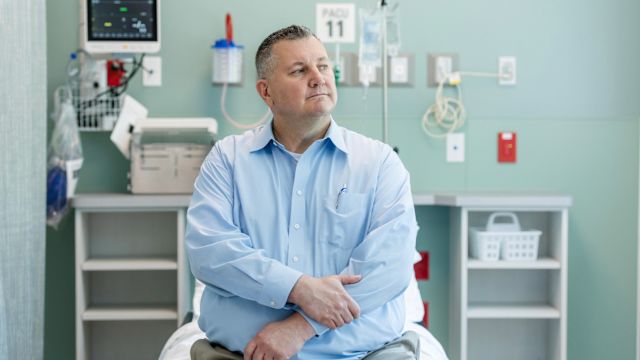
x,y
317,327
277,285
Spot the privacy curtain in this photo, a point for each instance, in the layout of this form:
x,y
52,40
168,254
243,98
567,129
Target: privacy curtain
x,y
22,177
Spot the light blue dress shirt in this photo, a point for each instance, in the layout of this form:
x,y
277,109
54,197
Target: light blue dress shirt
x,y
260,218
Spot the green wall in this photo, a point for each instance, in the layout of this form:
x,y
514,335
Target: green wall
x,y
573,110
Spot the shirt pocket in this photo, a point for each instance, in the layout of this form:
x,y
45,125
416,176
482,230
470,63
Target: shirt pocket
x,y
345,220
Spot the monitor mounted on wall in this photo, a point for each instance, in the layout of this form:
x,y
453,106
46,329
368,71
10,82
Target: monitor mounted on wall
x,y
120,26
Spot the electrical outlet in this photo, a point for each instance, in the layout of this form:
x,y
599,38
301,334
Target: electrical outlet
x,y
152,71
455,147
507,70
401,70
370,74
440,66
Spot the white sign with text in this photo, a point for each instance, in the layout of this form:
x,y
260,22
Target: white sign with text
x,y
336,23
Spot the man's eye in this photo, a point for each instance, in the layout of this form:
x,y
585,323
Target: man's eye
x,y
297,71
323,67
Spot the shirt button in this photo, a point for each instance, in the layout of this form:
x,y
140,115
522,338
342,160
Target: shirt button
x,y
273,303
299,192
295,259
296,226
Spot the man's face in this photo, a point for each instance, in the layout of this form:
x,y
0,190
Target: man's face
x,y
302,83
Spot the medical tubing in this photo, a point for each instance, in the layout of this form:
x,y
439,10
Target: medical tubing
x,y
223,108
478,74
114,91
448,113
120,89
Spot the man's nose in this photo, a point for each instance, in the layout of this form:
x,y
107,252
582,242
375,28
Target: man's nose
x,y
316,78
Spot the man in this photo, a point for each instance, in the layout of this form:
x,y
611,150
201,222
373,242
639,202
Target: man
x,y
303,231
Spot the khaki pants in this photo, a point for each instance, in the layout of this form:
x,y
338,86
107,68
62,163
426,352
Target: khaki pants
x,y
406,347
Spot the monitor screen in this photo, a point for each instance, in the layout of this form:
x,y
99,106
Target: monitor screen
x,y
133,20
121,25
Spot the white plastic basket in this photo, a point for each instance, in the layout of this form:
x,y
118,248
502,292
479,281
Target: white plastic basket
x,y
482,246
504,240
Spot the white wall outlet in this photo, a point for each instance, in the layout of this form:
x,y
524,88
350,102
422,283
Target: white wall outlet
x,y
444,68
371,74
152,71
399,73
401,70
455,147
507,70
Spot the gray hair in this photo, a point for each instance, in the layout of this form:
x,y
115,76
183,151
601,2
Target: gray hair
x,y
264,55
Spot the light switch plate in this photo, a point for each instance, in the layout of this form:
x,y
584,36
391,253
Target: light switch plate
x,y
507,70
455,147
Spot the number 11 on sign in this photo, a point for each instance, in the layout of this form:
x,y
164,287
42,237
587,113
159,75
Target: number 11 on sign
x,y
338,23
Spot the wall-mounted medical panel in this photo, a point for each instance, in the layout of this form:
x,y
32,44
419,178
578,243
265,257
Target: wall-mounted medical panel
x,y
348,65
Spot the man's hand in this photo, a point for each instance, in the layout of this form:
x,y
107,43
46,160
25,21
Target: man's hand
x,y
325,299
279,340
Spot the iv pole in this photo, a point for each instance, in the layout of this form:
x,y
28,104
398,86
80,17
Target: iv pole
x,y
385,77
385,85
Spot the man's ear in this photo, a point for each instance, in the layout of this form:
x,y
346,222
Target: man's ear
x,y
263,90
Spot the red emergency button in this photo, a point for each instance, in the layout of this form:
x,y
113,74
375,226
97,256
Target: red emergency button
x,y
507,147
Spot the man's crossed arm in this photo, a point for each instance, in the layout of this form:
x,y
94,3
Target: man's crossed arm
x,y
323,299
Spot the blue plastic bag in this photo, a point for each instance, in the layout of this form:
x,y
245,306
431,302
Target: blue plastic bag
x,y
56,195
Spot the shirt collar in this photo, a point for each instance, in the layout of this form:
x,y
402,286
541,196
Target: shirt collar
x,y
264,135
336,135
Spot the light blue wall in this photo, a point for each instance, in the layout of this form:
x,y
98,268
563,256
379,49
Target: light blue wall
x,y
573,108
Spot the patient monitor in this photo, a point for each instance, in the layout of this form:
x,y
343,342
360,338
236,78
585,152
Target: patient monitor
x,y
120,26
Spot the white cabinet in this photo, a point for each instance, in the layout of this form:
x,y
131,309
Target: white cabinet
x,y
505,310
132,281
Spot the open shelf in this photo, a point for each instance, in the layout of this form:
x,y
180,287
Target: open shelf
x,y
522,339
539,264
134,339
514,287
512,311
135,288
130,264
131,235
505,310
101,313
132,281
